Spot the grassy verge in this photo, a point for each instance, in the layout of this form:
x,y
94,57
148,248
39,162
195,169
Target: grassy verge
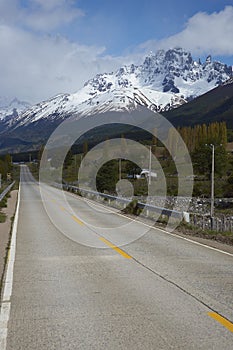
x,y
4,186
223,237
34,169
132,208
3,203
2,217
16,176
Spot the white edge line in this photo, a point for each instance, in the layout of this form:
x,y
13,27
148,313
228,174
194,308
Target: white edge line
x,y
152,227
6,303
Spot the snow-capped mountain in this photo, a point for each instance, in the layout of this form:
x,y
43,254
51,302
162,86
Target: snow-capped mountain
x,y
11,108
164,80
117,99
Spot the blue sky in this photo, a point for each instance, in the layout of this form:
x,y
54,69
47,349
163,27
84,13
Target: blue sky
x,y
123,26
53,46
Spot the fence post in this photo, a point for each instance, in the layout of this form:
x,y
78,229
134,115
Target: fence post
x,y
203,222
224,223
194,220
211,222
186,217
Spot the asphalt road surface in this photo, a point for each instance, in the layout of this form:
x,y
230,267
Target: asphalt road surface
x,y
75,288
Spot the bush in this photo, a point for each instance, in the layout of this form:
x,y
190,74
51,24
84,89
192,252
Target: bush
x,y
2,217
132,208
3,203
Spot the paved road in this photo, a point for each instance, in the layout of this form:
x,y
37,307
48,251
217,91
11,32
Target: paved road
x,y
154,293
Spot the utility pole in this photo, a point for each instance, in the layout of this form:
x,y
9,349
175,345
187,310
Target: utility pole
x,y
150,147
0,180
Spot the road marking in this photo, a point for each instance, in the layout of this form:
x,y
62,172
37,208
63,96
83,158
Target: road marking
x,y
118,250
227,324
7,291
77,220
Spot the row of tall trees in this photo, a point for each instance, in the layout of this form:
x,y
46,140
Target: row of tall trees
x,y
198,135
195,137
198,140
5,166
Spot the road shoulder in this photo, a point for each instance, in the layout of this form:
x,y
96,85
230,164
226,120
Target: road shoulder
x,y
5,229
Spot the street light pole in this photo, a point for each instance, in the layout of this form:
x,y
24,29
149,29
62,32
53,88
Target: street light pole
x,y
212,185
150,147
119,169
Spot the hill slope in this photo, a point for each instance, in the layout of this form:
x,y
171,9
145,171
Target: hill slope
x,y
215,105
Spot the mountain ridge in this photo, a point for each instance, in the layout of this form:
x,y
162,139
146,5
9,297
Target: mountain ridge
x,y
164,81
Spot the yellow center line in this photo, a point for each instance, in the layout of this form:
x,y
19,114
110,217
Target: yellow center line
x,y
73,216
77,220
118,250
221,320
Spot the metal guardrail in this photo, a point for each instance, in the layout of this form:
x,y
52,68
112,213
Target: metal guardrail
x,y
151,208
3,194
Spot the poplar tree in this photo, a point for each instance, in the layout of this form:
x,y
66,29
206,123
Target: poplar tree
x,y
85,148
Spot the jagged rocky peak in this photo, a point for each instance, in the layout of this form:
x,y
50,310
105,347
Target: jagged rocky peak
x,y
11,107
208,59
178,59
100,83
163,81
166,60
163,71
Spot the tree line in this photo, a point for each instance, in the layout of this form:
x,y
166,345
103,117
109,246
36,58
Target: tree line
x,y
199,140
5,165
199,135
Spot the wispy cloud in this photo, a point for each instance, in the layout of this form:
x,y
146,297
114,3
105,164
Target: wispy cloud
x,y
50,14
40,15
203,33
37,67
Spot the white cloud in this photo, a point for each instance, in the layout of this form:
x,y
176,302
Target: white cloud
x,y
203,33
34,67
40,15
47,15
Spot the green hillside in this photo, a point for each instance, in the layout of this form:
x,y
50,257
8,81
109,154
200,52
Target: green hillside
x,y
214,106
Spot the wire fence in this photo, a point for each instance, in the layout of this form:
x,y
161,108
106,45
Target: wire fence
x,y
221,223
